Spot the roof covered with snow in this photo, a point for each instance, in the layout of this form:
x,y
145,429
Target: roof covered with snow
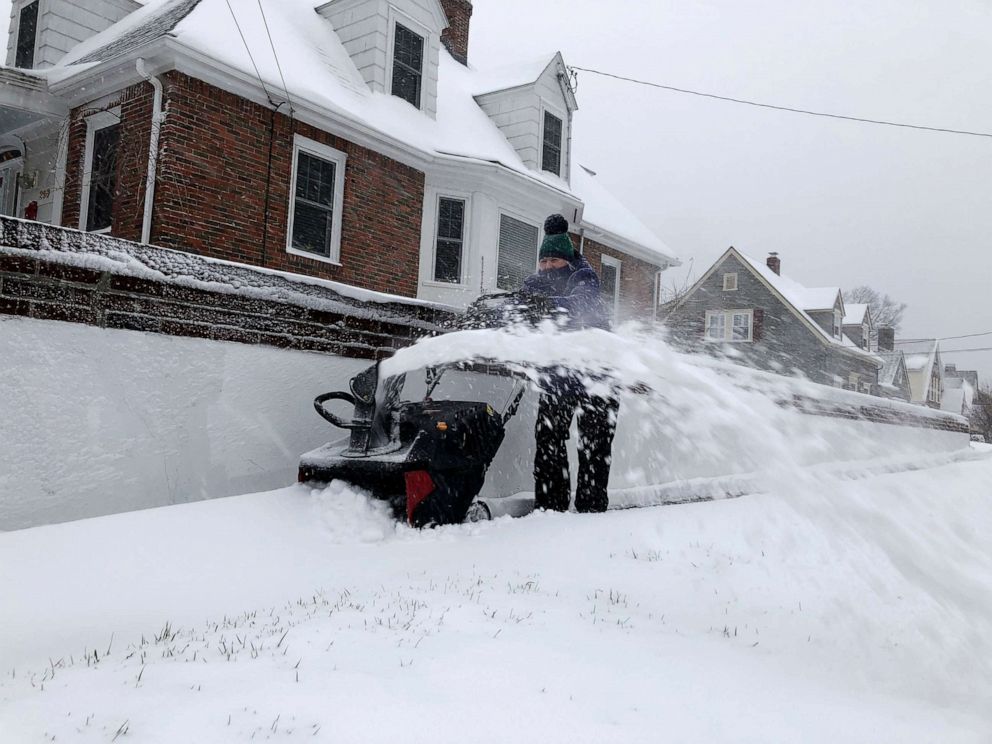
x,y
892,360
920,353
321,75
805,300
855,314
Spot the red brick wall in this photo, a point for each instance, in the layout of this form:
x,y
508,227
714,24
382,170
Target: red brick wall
x,y
455,36
636,280
213,175
132,159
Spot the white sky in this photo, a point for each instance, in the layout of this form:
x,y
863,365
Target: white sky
x,y
907,212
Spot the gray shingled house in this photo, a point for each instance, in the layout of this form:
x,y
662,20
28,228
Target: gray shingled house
x,y
746,308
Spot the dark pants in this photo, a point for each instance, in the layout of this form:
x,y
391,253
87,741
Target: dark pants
x,y
597,418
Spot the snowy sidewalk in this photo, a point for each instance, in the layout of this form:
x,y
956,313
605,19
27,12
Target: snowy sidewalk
x,y
855,612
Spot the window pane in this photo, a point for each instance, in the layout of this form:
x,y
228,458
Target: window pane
x,y
715,327
103,178
312,228
742,327
408,65
448,262
448,248
551,155
27,29
517,252
315,180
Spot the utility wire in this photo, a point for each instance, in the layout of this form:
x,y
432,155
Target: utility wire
x,y
782,108
956,351
969,335
245,42
274,54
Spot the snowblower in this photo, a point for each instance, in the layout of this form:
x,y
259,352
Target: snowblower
x,y
423,442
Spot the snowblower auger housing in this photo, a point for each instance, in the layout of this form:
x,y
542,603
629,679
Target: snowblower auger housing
x,y
427,457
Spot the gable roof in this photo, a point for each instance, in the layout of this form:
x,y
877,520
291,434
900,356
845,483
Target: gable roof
x,y
856,314
793,295
522,74
322,78
892,361
922,357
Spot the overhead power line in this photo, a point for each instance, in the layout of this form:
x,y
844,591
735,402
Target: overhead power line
x,y
967,335
958,351
776,107
247,49
276,55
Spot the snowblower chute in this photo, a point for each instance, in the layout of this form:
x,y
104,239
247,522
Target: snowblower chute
x,y
421,440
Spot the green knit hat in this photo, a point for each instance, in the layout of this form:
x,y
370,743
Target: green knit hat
x,y
556,242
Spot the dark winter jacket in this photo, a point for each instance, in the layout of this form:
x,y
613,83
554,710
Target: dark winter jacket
x,y
574,290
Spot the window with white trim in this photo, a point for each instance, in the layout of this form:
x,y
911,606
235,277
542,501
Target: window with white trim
x,y
99,188
517,259
316,200
11,163
730,282
609,283
408,64
27,35
551,147
450,240
734,326
838,324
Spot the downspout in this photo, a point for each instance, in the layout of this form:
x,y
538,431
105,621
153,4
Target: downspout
x,y
157,118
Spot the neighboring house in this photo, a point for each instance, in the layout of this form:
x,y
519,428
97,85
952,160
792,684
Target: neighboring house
x,y
893,377
960,386
858,325
347,140
772,322
926,372
958,396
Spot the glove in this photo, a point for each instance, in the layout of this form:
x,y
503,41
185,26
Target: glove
x,y
537,284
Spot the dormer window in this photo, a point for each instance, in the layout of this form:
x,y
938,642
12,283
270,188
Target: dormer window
x,y
551,150
408,64
27,32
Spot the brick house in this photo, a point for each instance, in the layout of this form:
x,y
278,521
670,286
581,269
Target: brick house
x,y
762,318
346,140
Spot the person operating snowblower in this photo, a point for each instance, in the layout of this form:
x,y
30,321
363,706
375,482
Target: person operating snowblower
x,y
572,288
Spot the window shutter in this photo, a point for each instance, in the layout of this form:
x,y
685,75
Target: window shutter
x,y
517,252
758,329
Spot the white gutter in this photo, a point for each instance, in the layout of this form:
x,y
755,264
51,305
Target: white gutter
x,y
157,117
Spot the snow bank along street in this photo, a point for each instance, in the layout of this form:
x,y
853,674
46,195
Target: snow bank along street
x,y
844,611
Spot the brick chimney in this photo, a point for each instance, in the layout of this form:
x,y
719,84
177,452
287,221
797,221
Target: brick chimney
x,y
886,338
455,36
774,263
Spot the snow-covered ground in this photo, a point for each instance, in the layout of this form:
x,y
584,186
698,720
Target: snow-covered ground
x,y
856,611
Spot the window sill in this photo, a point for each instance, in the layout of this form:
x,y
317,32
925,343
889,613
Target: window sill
x,y
313,256
444,285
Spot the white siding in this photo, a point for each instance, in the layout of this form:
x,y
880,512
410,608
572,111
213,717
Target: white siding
x,y
365,30
519,114
64,23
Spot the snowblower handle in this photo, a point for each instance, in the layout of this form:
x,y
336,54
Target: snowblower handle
x,y
319,401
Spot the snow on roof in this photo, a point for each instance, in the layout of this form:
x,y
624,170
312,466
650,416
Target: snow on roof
x,y
319,71
512,75
804,299
605,211
855,314
890,359
921,354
